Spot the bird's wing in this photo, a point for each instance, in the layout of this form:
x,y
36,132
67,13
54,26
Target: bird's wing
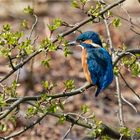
x,y
100,68
96,66
108,77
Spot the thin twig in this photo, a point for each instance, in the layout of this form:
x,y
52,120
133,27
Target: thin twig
x,y
11,63
129,86
116,78
25,129
68,131
130,104
33,26
120,115
13,106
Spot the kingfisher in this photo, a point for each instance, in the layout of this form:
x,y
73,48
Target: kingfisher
x,y
96,61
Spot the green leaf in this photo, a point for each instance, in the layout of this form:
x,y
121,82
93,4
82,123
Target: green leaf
x,y
69,84
32,111
2,101
95,11
125,131
46,43
75,4
53,108
28,10
62,119
83,1
48,85
24,24
26,46
106,138
116,22
116,70
5,52
6,27
67,51
85,108
135,69
138,130
3,127
56,24
46,62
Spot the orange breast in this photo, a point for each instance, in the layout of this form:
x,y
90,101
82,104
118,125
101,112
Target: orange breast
x,y
85,66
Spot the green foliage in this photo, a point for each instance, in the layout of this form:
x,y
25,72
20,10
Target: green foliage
x,y
46,62
98,129
10,42
31,111
24,24
62,119
47,44
125,131
85,108
67,51
29,10
3,127
2,100
11,90
132,63
6,27
83,1
79,4
48,85
135,69
69,84
75,4
106,138
116,70
53,108
26,47
138,130
94,11
116,22
55,25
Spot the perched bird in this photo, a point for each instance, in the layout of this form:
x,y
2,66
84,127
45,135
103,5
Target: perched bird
x,y
96,61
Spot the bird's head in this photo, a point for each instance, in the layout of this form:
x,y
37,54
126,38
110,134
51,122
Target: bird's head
x,y
87,39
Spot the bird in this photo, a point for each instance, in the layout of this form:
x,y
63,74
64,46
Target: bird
x,y
96,61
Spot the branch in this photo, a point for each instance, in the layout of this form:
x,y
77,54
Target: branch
x,y
138,96
12,107
120,113
105,129
20,100
59,95
63,35
125,53
25,129
33,26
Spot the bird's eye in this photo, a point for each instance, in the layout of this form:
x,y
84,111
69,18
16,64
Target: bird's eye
x,y
80,41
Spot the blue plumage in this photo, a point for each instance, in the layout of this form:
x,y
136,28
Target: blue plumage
x,y
99,61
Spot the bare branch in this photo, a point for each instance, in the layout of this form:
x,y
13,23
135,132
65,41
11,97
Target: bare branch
x,y
33,26
129,86
120,115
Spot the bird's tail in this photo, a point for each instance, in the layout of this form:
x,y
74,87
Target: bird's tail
x,y
98,89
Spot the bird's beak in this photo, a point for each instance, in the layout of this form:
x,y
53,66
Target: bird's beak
x,y
75,43
72,43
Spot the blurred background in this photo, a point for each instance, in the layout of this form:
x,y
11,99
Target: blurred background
x,y
63,68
